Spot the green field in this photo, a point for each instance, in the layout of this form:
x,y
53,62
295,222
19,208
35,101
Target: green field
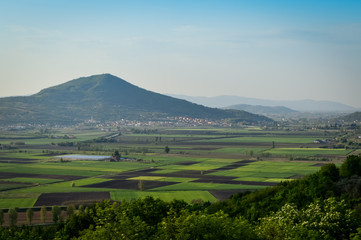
x,y
166,179
259,171
28,155
221,154
17,202
38,139
190,186
263,170
46,169
237,150
32,180
262,139
307,151
8,186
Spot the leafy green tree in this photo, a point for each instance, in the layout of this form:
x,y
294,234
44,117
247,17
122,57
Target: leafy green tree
x,y
198,225
29,215
352,166
124,227
121,220
75,224
81,209
1,217
330,219
356,236
116,155
43,214
166,149
330,171
141,185
350,187
13,217
150,210
70,210
103,211
177,205
56,211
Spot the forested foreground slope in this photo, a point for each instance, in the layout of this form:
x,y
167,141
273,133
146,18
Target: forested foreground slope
x,y
324,205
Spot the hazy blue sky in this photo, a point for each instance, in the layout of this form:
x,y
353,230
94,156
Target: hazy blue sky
x,y
282,50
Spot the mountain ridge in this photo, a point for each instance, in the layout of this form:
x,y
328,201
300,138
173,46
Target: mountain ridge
x,y
306,105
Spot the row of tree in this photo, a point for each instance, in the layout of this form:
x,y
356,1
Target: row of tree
x,y
12,214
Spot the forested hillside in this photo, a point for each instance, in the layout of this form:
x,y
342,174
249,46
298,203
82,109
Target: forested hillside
x,y
353,117
107,98
324,205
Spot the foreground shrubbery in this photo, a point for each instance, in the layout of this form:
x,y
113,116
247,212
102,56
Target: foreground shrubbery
x,y
324,205
329,219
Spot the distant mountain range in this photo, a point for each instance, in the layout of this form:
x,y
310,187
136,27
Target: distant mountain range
x,y
263,110
106,98
298,105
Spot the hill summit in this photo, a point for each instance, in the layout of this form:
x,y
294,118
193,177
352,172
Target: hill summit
x,y
107,98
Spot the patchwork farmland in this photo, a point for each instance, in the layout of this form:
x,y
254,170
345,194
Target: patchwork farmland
x,y
201,165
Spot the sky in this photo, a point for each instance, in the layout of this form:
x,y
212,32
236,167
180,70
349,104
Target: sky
x,y
277,50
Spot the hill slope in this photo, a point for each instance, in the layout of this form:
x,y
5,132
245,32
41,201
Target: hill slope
x,y
353,117
263,110
106,97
